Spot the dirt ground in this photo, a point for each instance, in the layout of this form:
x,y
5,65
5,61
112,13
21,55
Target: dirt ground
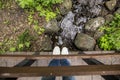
x,y
13,22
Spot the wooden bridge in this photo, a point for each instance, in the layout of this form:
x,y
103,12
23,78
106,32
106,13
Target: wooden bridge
x,y
89,65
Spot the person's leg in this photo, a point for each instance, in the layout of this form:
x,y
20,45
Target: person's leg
x,y
54,62
65,62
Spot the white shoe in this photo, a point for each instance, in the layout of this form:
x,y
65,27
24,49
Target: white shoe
x,y
56,51
64,51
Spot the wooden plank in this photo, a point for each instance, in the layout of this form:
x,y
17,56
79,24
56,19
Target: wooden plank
x,y
60,71
71,52
60,56
96,52
18,63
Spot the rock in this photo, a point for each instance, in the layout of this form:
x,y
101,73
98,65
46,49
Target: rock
x,y
117,11
52,26
89,7
43,43
46,44
97,48
84,42
90,3
109,18
94,24
83,2
98,34
111,4
65,7
104,12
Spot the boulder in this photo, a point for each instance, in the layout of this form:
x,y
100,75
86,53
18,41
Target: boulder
x,y
104,12
117,11
65,7
52,27
98,34
111,4
94,24
109,18
84,42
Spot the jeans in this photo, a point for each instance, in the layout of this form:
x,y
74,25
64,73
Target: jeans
x,y
59,62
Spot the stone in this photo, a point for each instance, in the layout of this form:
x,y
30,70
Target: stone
x,y
52,27
84,42
43,43
93,24
65,7
97,48
108,18
111,4
90,3
46,44
117,11
104,12
83,2
98,34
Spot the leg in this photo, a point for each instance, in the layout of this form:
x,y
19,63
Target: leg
x,y
65,62
54,62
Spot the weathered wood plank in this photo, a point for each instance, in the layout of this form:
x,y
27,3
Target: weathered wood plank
x,y
60,71
61,56
71,52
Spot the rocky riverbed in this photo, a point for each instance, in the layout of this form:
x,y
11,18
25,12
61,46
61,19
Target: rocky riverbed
x,y
80,24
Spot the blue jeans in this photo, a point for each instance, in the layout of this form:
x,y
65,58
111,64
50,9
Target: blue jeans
x,y
59,62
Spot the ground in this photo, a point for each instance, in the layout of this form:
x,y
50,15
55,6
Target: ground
x,y
13,22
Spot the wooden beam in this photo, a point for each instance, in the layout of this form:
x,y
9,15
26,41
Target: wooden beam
x,y
60,71
61,56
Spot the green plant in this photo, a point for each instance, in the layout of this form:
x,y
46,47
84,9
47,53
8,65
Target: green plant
x,y
0,4
7,45
24,41
12,49
38,29
7,22
26,3
44,7
111,39
30,19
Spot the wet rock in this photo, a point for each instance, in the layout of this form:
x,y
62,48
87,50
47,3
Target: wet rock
x,y
111,4
94,24
89,8
69,29
109,18
117,11
84,42
65,7
52,26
